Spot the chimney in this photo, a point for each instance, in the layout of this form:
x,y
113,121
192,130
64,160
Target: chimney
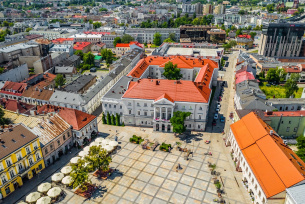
x,y
271,132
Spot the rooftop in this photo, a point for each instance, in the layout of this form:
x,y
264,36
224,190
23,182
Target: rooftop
x,y
78,84
14,138
243,76
274,164
77,119
15,118
50,129
81,45
285,113
183,91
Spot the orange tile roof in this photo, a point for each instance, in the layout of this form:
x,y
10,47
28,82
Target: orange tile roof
x,y
274,164
285,113
81,45
181,61
122,45
61,40
186,91
76,118
164,96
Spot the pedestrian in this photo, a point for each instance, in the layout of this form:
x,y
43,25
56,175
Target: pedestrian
x,y
116,138
169,149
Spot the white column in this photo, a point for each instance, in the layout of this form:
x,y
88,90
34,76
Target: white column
x,y
154,112
166,113
160,112
172,111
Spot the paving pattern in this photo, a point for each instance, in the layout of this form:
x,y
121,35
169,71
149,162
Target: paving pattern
x,y
145,176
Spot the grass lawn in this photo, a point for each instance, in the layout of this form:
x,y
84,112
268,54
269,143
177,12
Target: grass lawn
x,y
254,51
278,91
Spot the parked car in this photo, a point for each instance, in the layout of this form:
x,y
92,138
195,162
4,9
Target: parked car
x,y
214,122
216,116
93,69
218,105
217,109
222,119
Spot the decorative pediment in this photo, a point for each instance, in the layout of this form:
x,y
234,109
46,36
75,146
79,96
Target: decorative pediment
x,y
164,99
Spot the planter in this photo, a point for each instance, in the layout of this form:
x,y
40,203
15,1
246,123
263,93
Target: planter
x,y
88,193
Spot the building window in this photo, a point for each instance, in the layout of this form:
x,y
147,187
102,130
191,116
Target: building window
x,y
120,107
288,129
12,174
64,137
145,104
28,151
139,112
129,112
68,134
295,129
289,122
138,104
37,156
31,161
129,104
145,113
114,106
58,142
106,105
8,162
51,147
46,151
109,105
282,122
20,167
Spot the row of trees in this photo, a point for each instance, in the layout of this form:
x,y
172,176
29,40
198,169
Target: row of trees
x,y
125,39
111,119
175,23
97,159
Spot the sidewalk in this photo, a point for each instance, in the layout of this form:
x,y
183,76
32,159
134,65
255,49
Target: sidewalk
x,y
31,185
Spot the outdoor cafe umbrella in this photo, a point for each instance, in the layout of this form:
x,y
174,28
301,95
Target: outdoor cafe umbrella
x,y
75,160
106,141
67,180
83,153
22,202
44,187
32,197
113,143
54,192
94,144
44,200
108,148
57,177
66,170
86,149
99,140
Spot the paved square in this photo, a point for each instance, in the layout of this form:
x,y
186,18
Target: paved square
x,y
144,177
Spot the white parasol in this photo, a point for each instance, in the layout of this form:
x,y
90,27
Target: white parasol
x,y
67,180
113,143
106,141
86,149
44,200
99,140
94,144
74,160
66,170
32,197
44,187
57,177
83,153
54,192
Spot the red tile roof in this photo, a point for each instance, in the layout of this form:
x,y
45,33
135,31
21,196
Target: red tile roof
x,y
15,106
285,113
13,88
274,164
61,40
181,61
76,118
244,36
292,69
186,91
128,44
122,45
97,33
81,45
243,76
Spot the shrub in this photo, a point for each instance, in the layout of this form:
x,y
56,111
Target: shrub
x,y
218,185
165,147
136,139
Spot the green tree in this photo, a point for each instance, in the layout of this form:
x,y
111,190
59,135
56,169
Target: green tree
x,y
270,8
107,55
177,121
59,80
301,153
104,119
171,71
108,119
157,39
232,43
241,12
112,120
117,119
97,25
79,53
239,32
272,76
98,158
5,24
28,29
127,38
300,142
80,175
281,73
172,36
291,85
116,41
168,40
103,9
252,34
89,58
87,10
3,120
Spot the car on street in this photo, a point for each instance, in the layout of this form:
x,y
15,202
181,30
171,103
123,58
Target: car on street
x,y
214,122
222,119
216,116
218,105
217,109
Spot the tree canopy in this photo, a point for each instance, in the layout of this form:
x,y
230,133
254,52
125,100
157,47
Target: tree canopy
x,y
98,158
127,38
79,53
276,75
88,58
97,25
171,71
301,147
116,41
107,55
59,80
177,121
157,39
291,85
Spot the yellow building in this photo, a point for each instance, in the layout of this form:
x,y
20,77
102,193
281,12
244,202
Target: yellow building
x,y
244,43
20,157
